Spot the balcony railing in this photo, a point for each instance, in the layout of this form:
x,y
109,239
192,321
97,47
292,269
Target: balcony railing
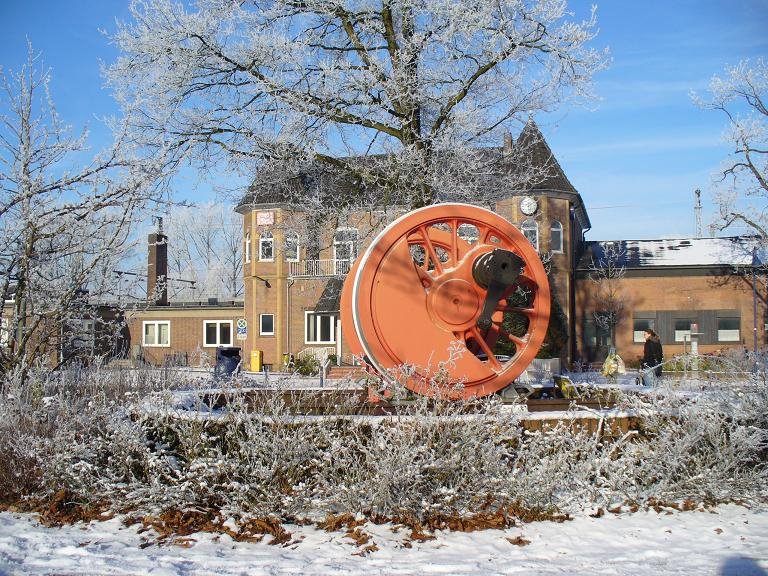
x,y
318,268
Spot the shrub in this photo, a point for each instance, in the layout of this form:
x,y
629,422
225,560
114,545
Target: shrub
x,y
148,441
307,365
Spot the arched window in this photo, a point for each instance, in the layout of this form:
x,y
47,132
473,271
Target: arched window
x,y
556,237
291,246
531,231
247,241
344,249
266,246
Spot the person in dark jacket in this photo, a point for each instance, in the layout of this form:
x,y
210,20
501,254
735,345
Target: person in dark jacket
x,y
653,355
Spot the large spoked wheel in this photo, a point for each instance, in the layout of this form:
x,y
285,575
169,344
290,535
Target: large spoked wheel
x,y
412,300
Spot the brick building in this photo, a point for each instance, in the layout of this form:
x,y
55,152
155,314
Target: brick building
x,y
292,287
294,268
684,289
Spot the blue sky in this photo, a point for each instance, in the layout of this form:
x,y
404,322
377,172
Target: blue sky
x,y
636,155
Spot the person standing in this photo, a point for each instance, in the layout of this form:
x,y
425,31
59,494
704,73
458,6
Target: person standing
x,y
653,355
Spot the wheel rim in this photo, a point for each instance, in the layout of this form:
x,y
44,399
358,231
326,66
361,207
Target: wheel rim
x,y
411,300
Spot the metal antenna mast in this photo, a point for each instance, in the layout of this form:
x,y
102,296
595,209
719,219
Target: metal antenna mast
x,y
697,212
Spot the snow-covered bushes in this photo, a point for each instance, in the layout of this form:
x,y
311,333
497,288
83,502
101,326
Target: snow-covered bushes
x,y
130,440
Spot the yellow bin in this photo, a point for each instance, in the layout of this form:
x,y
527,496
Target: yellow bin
x,y
257,360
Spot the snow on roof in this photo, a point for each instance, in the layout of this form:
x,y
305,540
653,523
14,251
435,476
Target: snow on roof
x,y
729,251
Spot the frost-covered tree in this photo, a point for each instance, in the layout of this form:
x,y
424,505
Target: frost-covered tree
x,y
205,244
64,222
418,88
742,183
606,271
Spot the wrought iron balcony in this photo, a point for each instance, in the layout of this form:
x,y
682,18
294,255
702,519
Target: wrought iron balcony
x,y
319,268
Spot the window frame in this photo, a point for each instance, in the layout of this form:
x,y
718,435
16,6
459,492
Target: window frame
x,y
261,331
266,239
247,241
291,234
157,324
218,324
675,331
5,332
531,225
718,330
638,336
342,265
83,333
556,227
318,316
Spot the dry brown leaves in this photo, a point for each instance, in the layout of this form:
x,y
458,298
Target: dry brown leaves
x,y
66,508
175,526
334,523
518,541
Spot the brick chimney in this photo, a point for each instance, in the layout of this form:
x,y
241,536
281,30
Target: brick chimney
x,y
157,267
508,143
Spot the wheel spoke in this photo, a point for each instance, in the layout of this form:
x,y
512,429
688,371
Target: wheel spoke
x,y
454,225
505,307
483,232
424,277
430,250
516,340
477,336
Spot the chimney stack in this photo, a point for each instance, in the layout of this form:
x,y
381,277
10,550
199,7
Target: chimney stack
x,y
508,143
157,266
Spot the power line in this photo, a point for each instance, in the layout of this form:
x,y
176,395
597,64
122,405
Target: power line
x,y
635,205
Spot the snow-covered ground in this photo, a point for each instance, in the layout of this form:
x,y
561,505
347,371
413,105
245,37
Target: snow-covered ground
x,y
727,541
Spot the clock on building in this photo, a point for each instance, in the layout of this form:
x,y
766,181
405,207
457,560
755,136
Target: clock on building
x,y
528,205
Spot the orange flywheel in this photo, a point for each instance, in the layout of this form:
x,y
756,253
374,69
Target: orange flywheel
x,y
451,297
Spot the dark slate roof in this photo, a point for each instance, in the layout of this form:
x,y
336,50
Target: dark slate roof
x,y
543,156
680,252
330,299
273,186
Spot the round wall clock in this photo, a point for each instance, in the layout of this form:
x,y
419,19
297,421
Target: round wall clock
x,y
528,205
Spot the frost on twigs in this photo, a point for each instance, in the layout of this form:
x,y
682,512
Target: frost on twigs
x,y
152,444
391,101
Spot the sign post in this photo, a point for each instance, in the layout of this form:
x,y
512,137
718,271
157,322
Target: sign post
x,y
242,329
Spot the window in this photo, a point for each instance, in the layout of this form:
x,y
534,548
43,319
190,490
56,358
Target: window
x,y
344,249
320,328
266,246
638,329
597,333
291,246
217,332
267,324
683,329
81,333
531,231
157,333
728,330
247,247
556,237
5,332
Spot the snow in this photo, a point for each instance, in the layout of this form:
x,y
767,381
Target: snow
x,y
727,541
730,251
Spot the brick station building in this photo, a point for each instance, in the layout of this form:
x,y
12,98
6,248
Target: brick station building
x,y
292,287
294,269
